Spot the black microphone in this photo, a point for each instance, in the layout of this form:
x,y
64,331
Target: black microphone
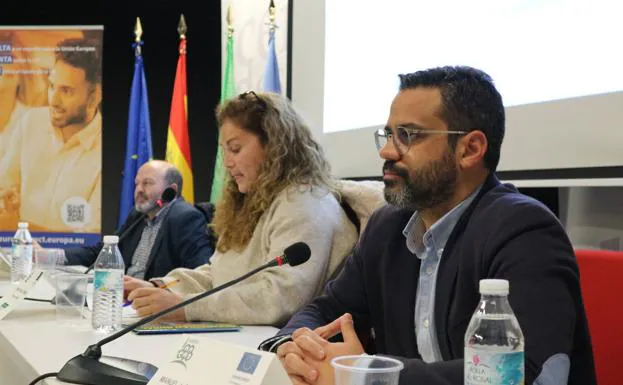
x,y
88,370
167,196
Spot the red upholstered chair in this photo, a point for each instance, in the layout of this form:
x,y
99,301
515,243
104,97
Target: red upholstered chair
x,y
601,276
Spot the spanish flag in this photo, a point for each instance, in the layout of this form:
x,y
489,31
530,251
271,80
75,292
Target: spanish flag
x,y
178,144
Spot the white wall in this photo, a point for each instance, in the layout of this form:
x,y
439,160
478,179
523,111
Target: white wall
x,y
593,216
345,62
251,41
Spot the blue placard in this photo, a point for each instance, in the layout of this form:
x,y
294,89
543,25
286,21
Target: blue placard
x,y
55,240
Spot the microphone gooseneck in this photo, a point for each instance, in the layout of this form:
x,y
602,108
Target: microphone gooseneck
x,y
166,197
86,369
297,253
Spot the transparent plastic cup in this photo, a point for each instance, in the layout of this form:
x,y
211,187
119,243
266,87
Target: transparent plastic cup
x,y
49,259
366,370
71,290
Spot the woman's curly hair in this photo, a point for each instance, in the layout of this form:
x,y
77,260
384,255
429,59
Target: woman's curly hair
x,y
292,158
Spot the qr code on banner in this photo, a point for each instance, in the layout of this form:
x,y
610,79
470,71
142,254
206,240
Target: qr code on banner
x,y
75,213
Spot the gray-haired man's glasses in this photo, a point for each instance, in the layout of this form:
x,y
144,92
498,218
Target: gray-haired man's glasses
x,y
405,136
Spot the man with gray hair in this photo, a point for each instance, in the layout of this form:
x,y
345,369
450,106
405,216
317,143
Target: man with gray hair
x,y
171,235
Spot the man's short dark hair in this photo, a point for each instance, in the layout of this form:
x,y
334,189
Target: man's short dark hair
x,y
470,102
173,175
83,54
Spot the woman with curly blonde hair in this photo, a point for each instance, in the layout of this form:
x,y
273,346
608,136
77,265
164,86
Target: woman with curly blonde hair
x,y
278,190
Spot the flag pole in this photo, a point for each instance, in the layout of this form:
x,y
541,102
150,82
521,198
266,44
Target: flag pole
x,y
228,90
138,139
181,27
178,141
271,82
138,33
272,15
230,23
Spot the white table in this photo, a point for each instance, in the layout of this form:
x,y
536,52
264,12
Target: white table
x,y
33,343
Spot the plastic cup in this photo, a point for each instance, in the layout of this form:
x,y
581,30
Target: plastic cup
x,y
71,289
366,370
48,259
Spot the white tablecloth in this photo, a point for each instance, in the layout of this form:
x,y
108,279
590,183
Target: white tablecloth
x,y
33,343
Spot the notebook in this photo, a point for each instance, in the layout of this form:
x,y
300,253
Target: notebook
x,y
186,327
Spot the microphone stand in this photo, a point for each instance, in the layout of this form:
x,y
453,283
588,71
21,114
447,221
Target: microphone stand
x,y
140,218
86,368
166,197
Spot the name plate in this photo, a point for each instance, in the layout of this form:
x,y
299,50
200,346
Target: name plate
x,y
11,300
5,262
199,360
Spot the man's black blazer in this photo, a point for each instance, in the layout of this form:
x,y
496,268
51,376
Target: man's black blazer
x,y
182,241
503,234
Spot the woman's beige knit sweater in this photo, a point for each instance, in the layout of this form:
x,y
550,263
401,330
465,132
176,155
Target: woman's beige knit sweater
x,y
273,295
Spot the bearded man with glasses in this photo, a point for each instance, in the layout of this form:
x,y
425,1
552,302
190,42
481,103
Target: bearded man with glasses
x,y
412,283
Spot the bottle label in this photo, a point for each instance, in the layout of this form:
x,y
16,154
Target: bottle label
x,y
489,368
21,250
110,280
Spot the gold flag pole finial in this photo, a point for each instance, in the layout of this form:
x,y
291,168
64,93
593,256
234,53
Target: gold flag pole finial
x,y
230,22
138,30
272,14
138,33
181,27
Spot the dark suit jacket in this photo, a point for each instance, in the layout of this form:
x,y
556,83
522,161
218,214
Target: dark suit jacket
x,y
182,241
503,234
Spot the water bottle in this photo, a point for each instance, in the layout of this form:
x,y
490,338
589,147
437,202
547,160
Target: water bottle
x,y
494,343
108,287
21,262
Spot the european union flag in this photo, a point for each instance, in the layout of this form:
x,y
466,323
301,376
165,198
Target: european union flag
x,y
248,363
271,71
138,144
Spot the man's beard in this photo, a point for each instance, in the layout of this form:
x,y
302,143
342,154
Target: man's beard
x,y
432,184
80,117
145,207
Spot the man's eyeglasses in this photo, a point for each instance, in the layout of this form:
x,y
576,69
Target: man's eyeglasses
x,y
252,95
405,136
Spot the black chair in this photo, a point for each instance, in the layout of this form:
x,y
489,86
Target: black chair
x,y
352,216
207,209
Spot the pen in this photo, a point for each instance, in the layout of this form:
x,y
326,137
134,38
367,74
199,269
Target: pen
x,y
170,284
167,286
